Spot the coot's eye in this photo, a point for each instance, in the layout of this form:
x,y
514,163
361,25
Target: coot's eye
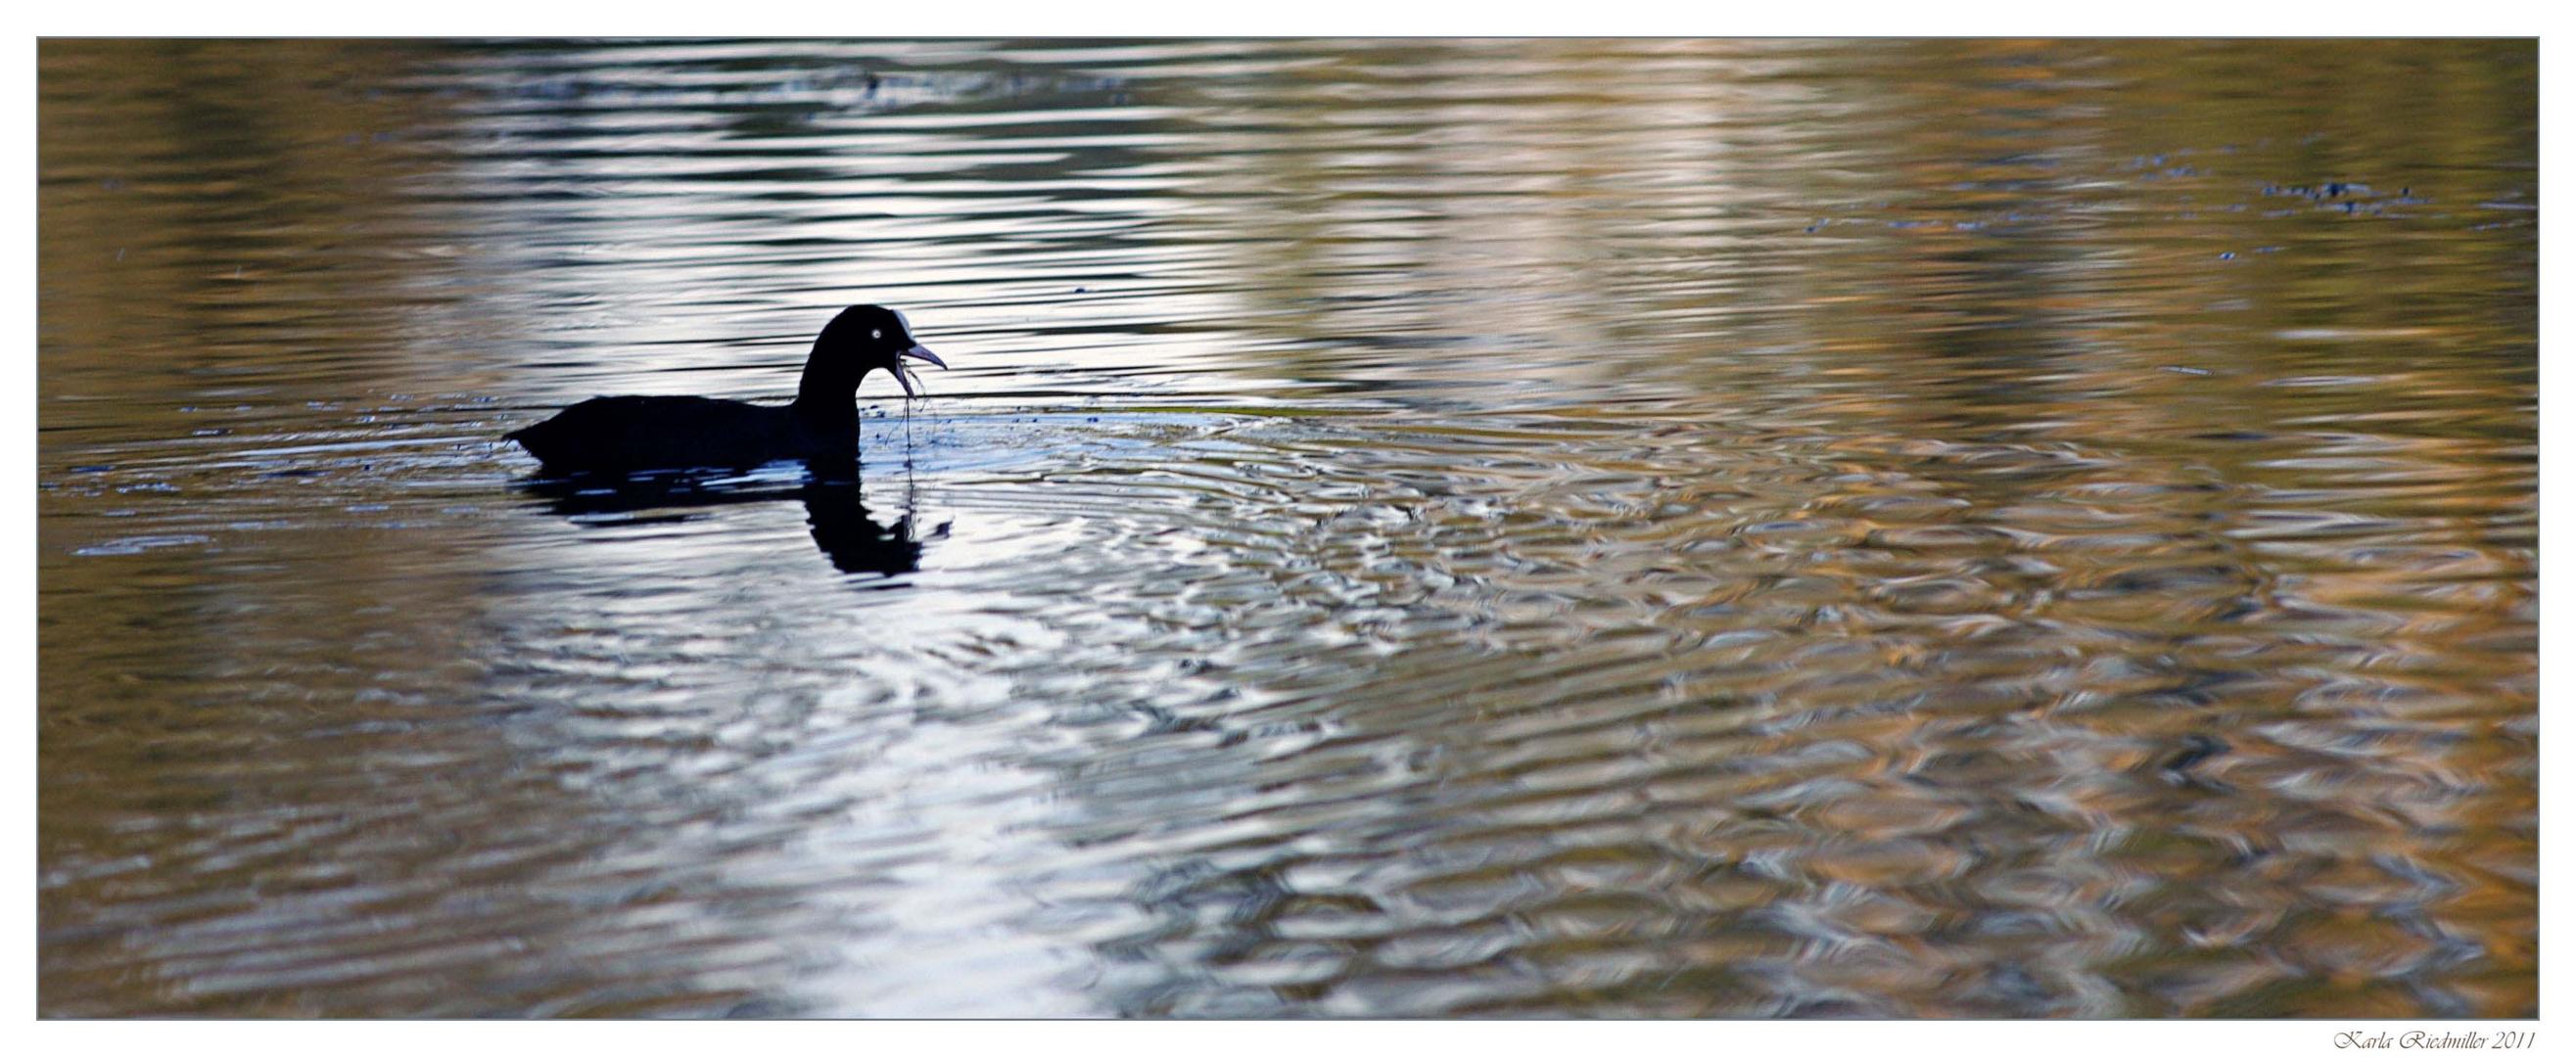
x,y
876,335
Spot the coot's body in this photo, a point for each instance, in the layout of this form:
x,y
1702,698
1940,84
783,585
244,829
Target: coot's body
x,y
618,434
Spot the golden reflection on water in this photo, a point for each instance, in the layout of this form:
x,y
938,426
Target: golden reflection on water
x,y
1595,528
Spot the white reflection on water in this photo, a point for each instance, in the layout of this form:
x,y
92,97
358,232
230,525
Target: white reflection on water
x,y
1569,528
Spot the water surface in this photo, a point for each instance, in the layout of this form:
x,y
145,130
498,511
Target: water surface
x,y
1568,528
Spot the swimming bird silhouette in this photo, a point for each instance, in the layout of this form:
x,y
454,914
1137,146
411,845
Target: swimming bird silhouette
x,y
627,433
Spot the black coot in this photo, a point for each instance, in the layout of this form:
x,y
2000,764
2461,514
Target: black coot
x,y
625,433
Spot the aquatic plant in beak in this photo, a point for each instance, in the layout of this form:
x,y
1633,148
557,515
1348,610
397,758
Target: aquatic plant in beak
x,y
904,375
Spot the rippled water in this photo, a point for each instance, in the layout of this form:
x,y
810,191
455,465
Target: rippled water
x,y
1510,527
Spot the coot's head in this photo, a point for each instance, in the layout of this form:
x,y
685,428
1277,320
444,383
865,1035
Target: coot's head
x,y
867,338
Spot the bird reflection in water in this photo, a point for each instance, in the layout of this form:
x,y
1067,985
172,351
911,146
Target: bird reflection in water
x,y
855,542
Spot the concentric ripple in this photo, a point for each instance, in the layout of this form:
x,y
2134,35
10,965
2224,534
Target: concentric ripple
x,y
1496,528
